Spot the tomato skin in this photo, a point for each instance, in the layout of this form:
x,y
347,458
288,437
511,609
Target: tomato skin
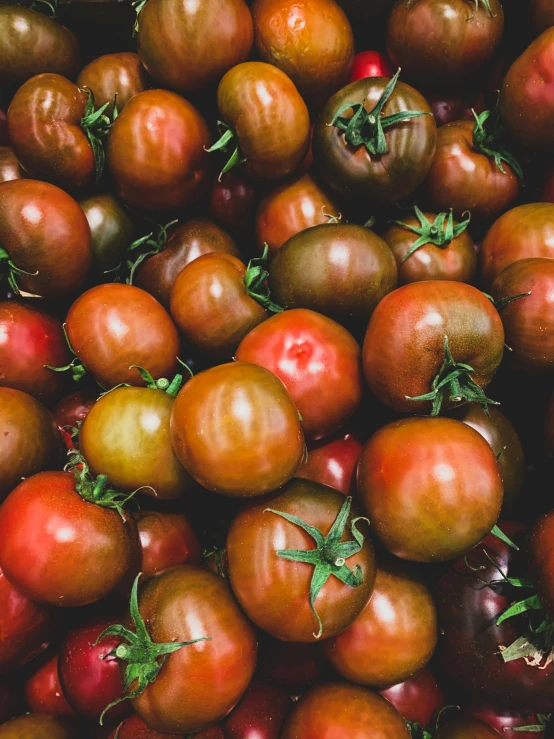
x,y
233,202
370,64
270,119
343,710
172,35
98,539
10,169
448,109
73,409
31,339
39,726
456,507
417,699
134,727
274,592
542,558
120,74
504,721
311,41
43,692
236,430
156,152
393,637
166,539
111,230
467,727
333,462
260,713
44,229
317,360
113,326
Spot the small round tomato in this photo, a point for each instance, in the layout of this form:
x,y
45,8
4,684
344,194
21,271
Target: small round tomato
x,y
370,64
464,728
332,462
40,726
542,559
111,230
233,202
418,698
114,77
260,713
10,169
43,692
73,409
236,430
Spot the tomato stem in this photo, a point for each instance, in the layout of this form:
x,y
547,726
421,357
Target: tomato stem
x,y
145,246
227,139
96,124
433,233
488,138
9,270
255,281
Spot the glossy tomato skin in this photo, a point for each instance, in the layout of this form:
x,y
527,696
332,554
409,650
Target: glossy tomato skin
x,y
274,592
350,172
311,41
317,360
260,714
134,727
39,726
98,540
111,327
44,230
31,339
73,409
542,558
172,41
463,728
31,43
422,314
344,710
10,169
166,539
43,692
156,152
504,721
269,117
393,637
417,699
120,74
448,514
370,64
333,461
233,202
291,208
111,230
236,430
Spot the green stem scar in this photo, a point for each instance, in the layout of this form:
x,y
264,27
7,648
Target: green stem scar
x,y
433,233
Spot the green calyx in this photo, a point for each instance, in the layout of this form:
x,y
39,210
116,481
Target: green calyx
x,y
76,367
50,5
170,387
96,124
144,657
138,5
454,382
420,732
140,250
488,136
11,271
227,142
436,233
255,281
367,128
330,555
497,531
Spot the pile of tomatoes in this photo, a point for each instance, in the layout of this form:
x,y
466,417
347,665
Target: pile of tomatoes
x,y
276,371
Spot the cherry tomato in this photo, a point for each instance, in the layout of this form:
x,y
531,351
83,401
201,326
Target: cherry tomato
x,y
39,726
73,409
10,169
43,692
333,461
260,713
370,64
114,77
111,230
418,698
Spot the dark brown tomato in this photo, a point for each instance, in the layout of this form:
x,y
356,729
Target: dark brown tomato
x,y
43,692
466,728
73,409
30,439
318,361
337,710
193,239
260,713
112,327
339,270
505,721
542,15
522,233
454,261
274,591
125,436
156,152
211,306
542,559
393,637
111,230
233,202
236,430
31,43
120,74
291,208
438,43
45,231
172,38
417,699
311,41
352,173
10,168
270,119
332,462
464,179
29,340
41,726
431,488
528,321
420,315
134,727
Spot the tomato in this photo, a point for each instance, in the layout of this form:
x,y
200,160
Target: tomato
x,y
464,728
542,14
431,246
310,40
542,558
40,726
114,76
111,230
134,727
360,164
505,721
26,627
418,698
528,320
156,152
112,327
291,208
521,233
166,539
370,64
393,637
172,37
455,323
236,430
318,361
342,710
450,108
258,103
43,692
277,593
233,202
45,521
47,237
332,462
452,510
73,409
213,305
292,666
10,168
260,713
29,340
32,43
339,269
436,42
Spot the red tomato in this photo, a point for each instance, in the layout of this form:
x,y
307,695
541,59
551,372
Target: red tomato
x,y
260,713
333,462
418,698
112,75
73,409
370,64
505,721
43,692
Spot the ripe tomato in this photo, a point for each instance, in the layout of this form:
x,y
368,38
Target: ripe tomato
x,y
233,202
542,558
370,64
111,231
418,698
39,726
448,109
166,539
236,430
156,152
332,462
47,237
260,713
43,692
111,75
277,592
10,169
73,409
318,361
505,721
467,727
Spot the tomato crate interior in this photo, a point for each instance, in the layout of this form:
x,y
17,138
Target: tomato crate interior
x,y
277,369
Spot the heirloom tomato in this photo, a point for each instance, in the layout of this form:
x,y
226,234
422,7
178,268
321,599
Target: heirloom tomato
x,y
114,78
332,461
